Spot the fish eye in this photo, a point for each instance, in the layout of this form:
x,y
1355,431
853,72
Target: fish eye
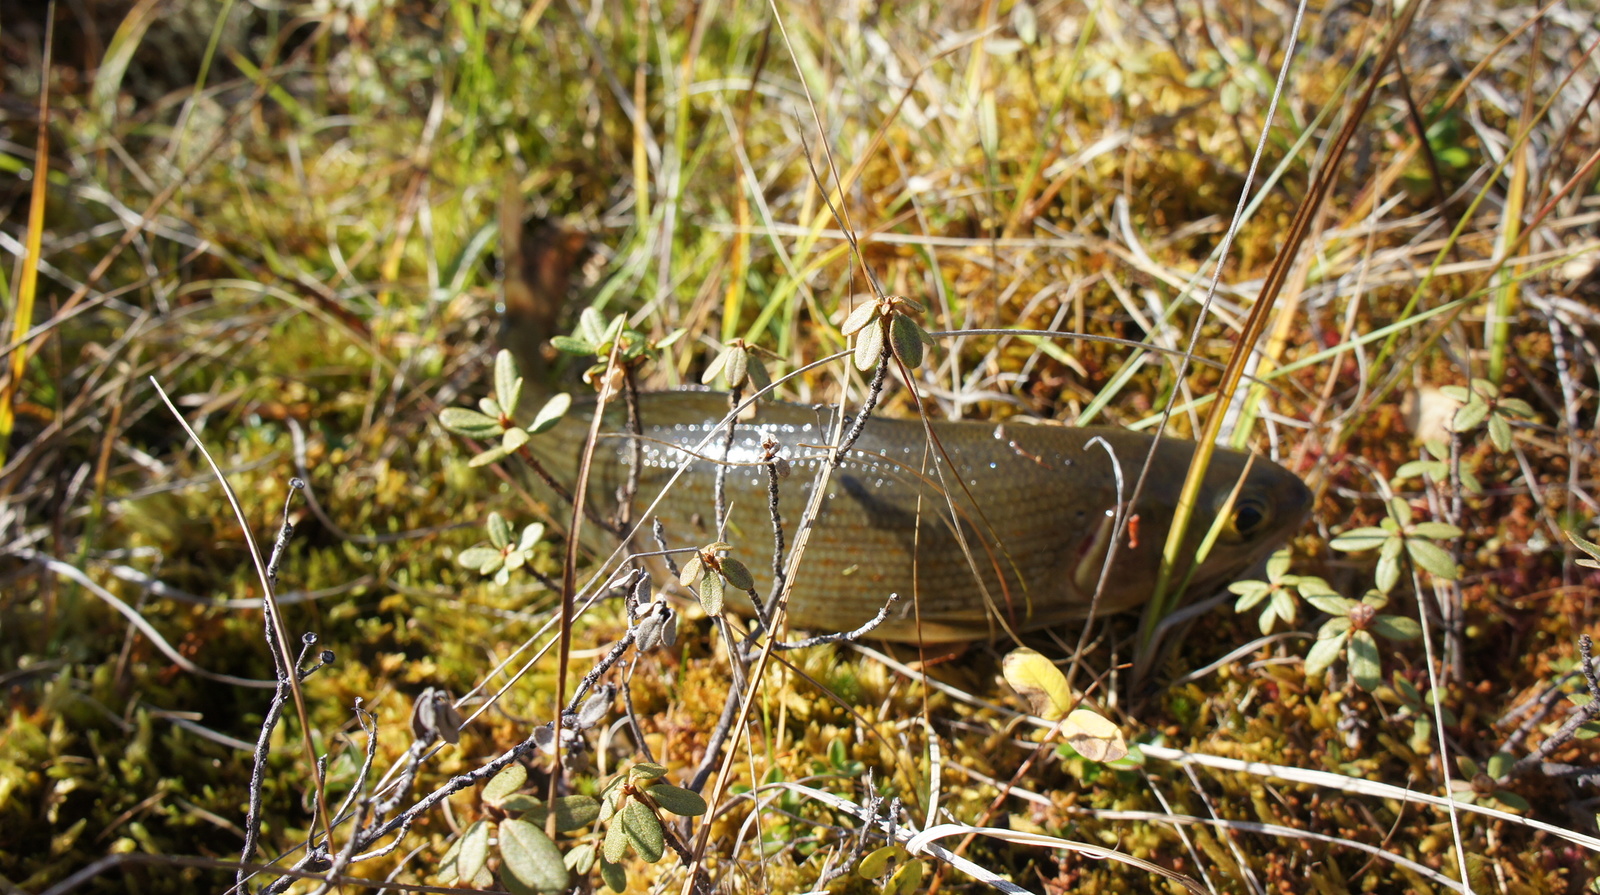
x,y
1249,516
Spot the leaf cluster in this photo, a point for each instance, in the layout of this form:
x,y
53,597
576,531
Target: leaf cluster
x,y
890,318
706,571
1480,403
505,554
1350,632
494,417
595,337
510,844
1400,534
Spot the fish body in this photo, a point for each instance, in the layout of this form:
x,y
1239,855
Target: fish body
x,y
1010,533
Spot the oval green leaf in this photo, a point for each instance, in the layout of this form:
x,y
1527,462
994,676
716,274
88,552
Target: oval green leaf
x,y
737,574
503,784
550,414
474,851
680,801
529,861
643,830
614,876
869,347
469,423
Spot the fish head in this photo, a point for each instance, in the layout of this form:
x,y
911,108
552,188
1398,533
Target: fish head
x,y
1270,504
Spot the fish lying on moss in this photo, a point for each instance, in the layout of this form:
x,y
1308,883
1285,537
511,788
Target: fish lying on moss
x,y
1034,504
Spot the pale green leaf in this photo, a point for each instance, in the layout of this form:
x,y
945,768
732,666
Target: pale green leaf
x,y
531,535
1309,586
1250,593
592,327
1399,511
1587,546
906,339
869,347
1391,548
550,413
643,830
1359,539
514,439
1333,604
616,841
689,574
572,813
711,592
507,384
1397,627
906,880
1511,801
570,345
715,368
646,770
1323,654
503,784
522,803
737,574
756,372
1435,559
864,313
529,861
1387,575
1515,407
877,861
1365,665
614,876
492,455
580,858
481,559
1469,417
1283,606
1499,763
680,801
474,851
1499,432
1278,564
500,532
1432,468
469,423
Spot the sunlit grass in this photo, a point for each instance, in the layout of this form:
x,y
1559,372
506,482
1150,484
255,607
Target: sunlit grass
x,y
322,280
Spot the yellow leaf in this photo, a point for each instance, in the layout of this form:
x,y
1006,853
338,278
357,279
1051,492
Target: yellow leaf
x,y
877,862
906,880
1039,681
1095,738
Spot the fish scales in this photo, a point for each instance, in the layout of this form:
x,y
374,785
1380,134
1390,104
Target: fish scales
x,y
1033,505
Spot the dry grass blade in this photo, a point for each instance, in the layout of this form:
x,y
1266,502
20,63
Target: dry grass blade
x,y
1255,324
284,658
28,285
